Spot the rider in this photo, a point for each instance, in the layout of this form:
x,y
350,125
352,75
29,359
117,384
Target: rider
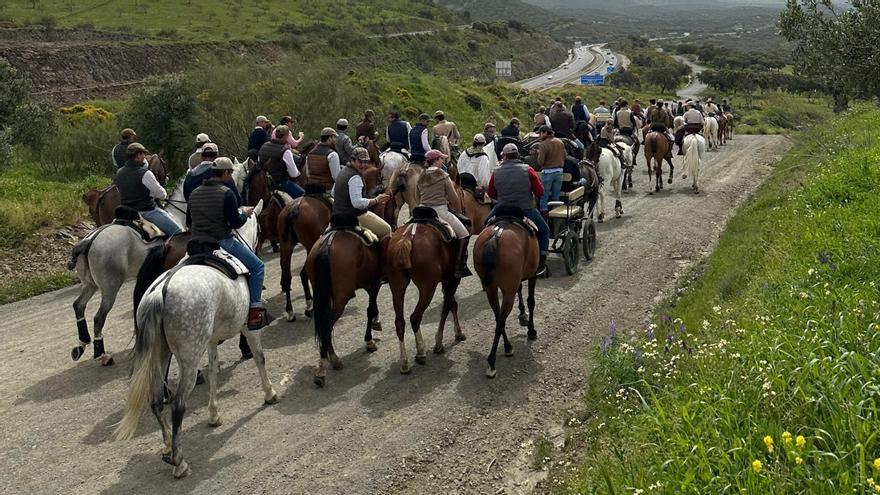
x,y
349,195
551,158
344,146
693,123
397,133
517,184
625,120
437,191
276,159
367,128
322,163
119,153
196,158
292,143
711,107
202,171
446,128
418,139
562,122
725,106
658,118
541,118
139,189
475,161
512,129
579,110
259,135
213,208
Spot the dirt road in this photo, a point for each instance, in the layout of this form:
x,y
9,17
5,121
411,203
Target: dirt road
x,y
445,428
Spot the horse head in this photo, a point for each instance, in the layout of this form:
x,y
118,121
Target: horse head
x,y
249,233
156,164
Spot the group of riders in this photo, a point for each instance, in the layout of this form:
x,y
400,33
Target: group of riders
x,y
496,163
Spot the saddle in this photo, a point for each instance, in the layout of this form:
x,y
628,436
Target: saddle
x,y
512,214
349,223
281,198
423,215
208,253
469,183
129,217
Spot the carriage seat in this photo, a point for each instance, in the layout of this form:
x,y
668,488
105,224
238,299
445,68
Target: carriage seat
x,y
423,215
570,207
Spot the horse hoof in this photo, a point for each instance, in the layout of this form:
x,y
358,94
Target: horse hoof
x,y
319,381
460,337
182,470
377,326
200,378
291,316
77,352
215,423
336,363
669,181
371,347
490,373
405,369
308,313
167,458
508,352
271,401
421,360
523,321
439,349
533,335
107,360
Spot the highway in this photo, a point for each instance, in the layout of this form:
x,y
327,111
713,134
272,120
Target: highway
x,y
588,59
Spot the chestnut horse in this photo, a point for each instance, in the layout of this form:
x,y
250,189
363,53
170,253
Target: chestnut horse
x,y
337,266
103,203
505,255
656,149
417,253
472,206
301,222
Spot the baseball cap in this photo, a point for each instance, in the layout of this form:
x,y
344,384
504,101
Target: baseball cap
x,y
135,148
509,148
434,154
361,154
342,123
282,131
545,128
202,138
222,163
210,148
328,131
479,138
261,118
128,133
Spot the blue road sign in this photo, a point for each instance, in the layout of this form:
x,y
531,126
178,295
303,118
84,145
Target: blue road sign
x,y
593,79
610,69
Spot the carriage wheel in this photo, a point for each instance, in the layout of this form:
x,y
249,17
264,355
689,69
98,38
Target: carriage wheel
x,y
570,252
589,241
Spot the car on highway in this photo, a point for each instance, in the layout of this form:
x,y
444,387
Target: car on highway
x,y
549,77
564,66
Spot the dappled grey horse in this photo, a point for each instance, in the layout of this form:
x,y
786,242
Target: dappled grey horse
x,y
184,312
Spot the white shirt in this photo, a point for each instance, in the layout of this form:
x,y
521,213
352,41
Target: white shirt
x,y
156,190
292,170
478,166
356,193
693,116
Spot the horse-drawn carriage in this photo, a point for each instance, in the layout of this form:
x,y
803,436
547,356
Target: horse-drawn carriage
x,y
572,229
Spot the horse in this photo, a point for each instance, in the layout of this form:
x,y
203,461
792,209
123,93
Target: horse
x,y
722,128
338,265
186,312
633,143
710,133
301,222
408,178
505,255
609,169
695,148
656,148
102,203
417,253
729,130
472,207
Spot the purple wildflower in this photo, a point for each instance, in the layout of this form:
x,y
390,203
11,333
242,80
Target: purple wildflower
x,y
650,332
605,345
824,257
665,319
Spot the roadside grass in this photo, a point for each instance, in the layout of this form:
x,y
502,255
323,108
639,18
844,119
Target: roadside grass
x,y
35,285
776,112
763,374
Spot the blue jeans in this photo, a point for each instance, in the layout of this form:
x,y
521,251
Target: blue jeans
x,y
552,187
535,216
291,188
253,263
163,220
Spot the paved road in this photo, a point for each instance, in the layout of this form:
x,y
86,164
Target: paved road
x,y
695,88
582,61
443,429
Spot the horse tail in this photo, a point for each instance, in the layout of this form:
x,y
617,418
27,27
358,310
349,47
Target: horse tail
x,y
323,302
81,249
400,254
147,367
490,259
654,142
691,156
153,266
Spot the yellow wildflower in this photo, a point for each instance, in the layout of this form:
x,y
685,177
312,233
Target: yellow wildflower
x,y
870,481
757,466
800,441
768,441
877,464
786,437
798,460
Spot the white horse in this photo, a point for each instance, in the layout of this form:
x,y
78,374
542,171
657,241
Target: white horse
x,y
677,124
710,132
694,149
184,312
611,172
392,162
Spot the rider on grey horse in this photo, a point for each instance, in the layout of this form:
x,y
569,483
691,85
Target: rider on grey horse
x,y
213,207
139,189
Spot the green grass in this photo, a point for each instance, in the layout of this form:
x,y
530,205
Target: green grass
x,y
777,337
218,20
35,285
780,113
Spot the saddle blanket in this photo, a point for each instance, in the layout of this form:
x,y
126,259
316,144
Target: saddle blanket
x,y
234,263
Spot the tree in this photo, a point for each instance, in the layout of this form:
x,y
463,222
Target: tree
x,y
662,77
623,79
19,110
161,111
835,47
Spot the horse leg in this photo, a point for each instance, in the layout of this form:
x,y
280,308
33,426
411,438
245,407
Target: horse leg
x,y
188,372
453,308
79,310
212,370
108,298
492,294
426,294
255,341
158,404
658,175
533,334
284,259
506,307
602,204
307,291
523,318
399,283
372,315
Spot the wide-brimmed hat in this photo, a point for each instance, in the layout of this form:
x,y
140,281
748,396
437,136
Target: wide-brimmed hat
x,y
222,163
434,154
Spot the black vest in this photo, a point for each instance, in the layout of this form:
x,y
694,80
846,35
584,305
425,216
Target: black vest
x,y
416,149
206,211
397,133
272,161
132,191
120,155
341,196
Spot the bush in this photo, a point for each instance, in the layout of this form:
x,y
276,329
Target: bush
x,y
473,101
19,111
161,112
5,148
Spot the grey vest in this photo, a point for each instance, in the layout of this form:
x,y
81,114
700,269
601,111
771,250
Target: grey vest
x,y
513,185
341,139
132,191
272,161
341,197
206,211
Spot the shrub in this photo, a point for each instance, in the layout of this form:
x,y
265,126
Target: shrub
x,y
18,110
161,112
473,101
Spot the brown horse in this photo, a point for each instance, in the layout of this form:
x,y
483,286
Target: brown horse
x,y
417,253
505,255
656,149
337,266
103,203
301,222
728,132
472,207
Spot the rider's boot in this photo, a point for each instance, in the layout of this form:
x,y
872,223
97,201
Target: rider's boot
x,y
257,318
461,268
542,271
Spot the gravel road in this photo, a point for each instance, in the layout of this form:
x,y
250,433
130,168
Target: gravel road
x,y
445,428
